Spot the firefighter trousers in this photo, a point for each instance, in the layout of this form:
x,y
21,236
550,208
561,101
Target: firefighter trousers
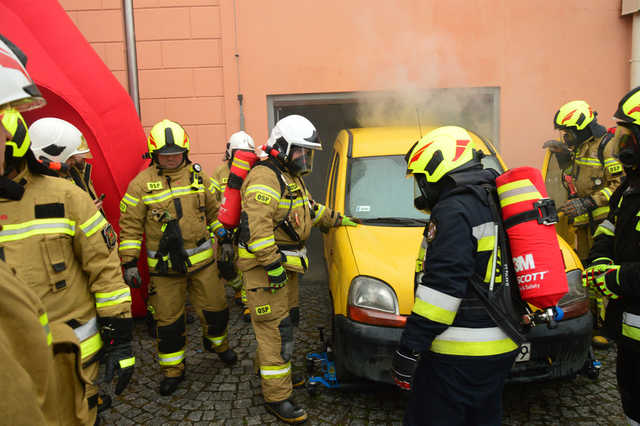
x,y
167,298
274,329
77,391
628,375
458,391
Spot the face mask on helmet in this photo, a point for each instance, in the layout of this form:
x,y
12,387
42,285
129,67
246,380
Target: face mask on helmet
x,y
626,143
426,194
300,160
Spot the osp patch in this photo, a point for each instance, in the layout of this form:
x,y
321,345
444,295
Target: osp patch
x,y
263,198
263,310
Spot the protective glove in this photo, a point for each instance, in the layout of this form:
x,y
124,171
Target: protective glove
x,y
350,221
555,146
118,358
605,278
226,264
578,206
132,274
277,276
403,366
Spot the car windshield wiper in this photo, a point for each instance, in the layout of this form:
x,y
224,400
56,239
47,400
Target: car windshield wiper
x,y
396,220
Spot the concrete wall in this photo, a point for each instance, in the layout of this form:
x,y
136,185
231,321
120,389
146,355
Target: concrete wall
x,y
540,55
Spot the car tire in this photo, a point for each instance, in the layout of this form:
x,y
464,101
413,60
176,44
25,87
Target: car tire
x,y
342,373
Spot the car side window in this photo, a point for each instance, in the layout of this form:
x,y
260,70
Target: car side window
x,y
334,180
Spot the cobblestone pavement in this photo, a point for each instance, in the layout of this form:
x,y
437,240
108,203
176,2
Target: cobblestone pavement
x,y
215,394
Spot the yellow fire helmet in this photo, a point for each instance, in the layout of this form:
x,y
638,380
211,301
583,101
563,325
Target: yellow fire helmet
x,y
18,145
440,152
573,115
629,108
167,137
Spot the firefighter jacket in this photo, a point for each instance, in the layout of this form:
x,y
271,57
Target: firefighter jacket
x,y
64,250
219,178
448,317
217,185
594,178
28,391
156,196
277,215
618,238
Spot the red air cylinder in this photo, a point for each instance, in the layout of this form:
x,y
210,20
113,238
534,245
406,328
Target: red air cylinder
x,y
229,213
537,258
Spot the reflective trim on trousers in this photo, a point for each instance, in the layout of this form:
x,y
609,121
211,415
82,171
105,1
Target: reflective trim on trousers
x,y
174,358
631,326
217,341
275,371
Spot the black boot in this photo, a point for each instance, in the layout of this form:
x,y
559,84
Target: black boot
x,y
104,402
298,380
229,357
287,411
168,385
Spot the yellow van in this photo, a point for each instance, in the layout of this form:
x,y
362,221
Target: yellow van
x,y
371,267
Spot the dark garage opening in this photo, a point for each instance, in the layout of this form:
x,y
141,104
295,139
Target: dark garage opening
x,y
476,109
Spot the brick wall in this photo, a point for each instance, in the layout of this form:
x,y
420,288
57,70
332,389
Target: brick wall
x,y
179,47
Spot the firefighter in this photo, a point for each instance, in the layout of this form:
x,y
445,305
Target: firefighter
x,y
591,174
64,249
614,267
452,355
227,251
28,394
170,204
60,146
277,215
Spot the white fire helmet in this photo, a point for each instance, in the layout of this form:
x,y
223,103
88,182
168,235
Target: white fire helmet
x,y
16,87
296,138
240,140
56,139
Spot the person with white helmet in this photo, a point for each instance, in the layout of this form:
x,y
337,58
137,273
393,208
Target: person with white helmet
x,y
54,239
239,141
60,146
277,215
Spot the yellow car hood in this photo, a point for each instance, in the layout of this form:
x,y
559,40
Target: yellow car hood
x,y
389,254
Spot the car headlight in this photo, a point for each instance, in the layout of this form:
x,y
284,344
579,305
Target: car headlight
x,y
370,293
576,291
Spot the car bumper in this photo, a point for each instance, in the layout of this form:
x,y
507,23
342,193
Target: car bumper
x,y
366,350
555,353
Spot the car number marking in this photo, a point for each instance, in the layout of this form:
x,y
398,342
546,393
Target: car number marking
x,y
524,354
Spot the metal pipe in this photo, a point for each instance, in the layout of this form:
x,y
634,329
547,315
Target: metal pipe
x,y
635,51
132,57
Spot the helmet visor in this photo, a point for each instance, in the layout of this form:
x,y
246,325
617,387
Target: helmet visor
x,y
626,145
300,160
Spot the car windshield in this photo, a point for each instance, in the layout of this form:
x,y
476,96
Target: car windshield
x,y
379,193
